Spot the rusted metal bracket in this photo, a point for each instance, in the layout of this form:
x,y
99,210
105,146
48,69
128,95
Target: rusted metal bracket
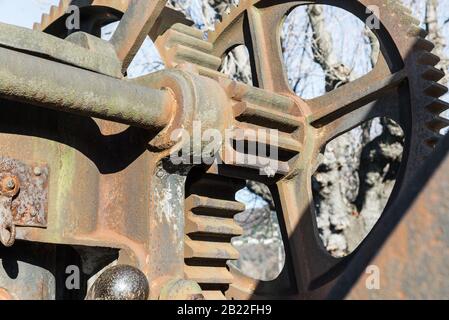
x,y
23,197
7,227
70,52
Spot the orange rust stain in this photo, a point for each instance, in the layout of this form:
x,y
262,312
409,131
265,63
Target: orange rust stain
x,y
108,128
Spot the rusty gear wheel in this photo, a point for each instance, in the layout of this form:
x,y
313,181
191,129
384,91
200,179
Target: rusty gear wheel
x,y
403,86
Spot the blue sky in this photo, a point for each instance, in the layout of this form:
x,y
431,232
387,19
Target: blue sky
x,y
24,12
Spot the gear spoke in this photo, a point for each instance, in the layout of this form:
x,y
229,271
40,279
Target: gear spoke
x,y
135,25
354,95
309,259
264,26
385,106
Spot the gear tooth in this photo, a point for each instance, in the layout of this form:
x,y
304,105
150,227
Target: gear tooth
x,y
54,10
437,124
424,44
428,58
37,26
209,228
63,6
55,13
433,74
435,90
417,31
173,37
45,20
213,74
181,53
432,142
190,31
60,10
187,44
438,106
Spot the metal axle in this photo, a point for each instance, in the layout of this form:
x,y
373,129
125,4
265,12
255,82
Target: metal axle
x,y
53,85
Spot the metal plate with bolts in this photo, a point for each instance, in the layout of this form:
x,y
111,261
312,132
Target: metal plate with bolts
x,y
29,205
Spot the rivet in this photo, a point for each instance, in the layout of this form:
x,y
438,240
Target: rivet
x,y
37,171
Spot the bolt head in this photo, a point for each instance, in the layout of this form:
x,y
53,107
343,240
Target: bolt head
x,y
10,184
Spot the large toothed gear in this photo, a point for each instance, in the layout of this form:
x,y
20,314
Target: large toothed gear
x,y
402,86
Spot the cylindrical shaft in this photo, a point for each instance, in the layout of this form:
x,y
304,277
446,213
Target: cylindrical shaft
x,y
65,88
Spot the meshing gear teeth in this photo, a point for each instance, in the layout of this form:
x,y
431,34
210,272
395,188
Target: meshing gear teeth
x,y
181,44
430,74
210,225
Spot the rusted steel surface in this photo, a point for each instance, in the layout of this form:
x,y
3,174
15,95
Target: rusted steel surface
x,y
50,47
28,186
23,197
49,84
117,202
7,226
